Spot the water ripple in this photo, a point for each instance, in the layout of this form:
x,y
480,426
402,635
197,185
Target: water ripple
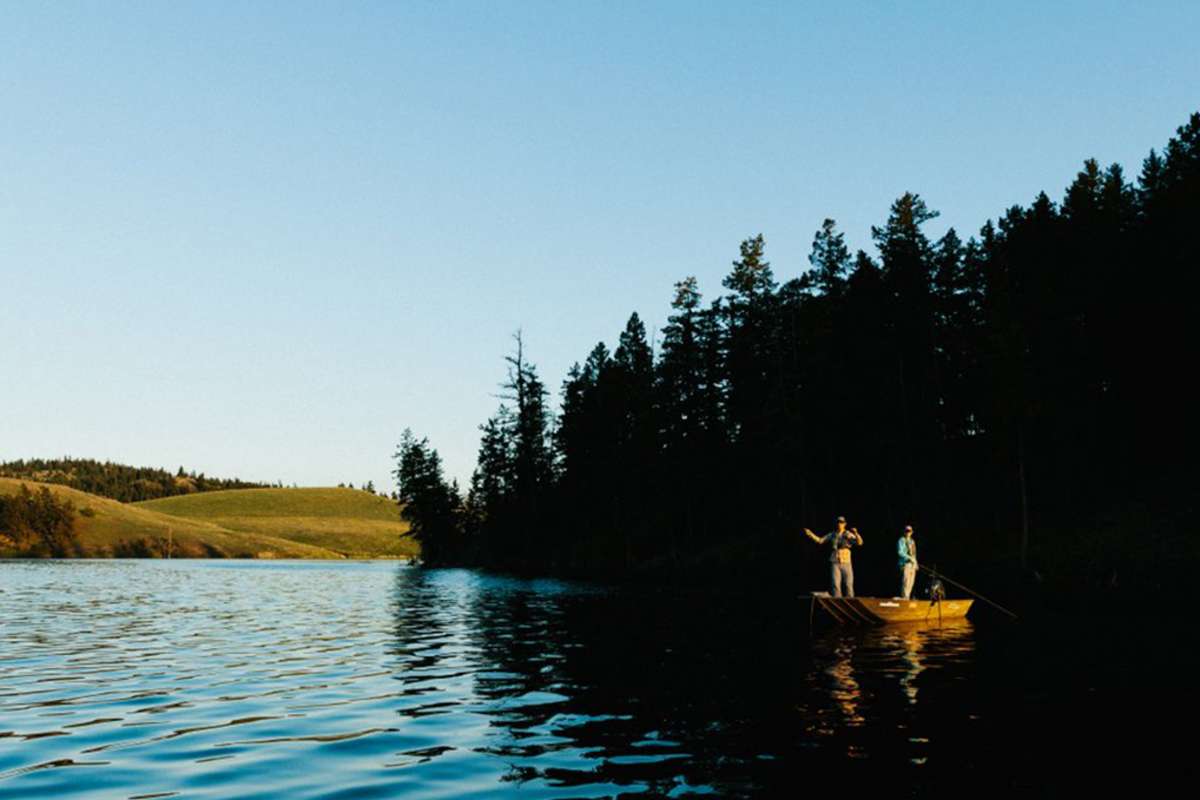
x,y
312,680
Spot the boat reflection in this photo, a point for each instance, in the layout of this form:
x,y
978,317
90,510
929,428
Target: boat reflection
x,y
558,686
953,638
844,689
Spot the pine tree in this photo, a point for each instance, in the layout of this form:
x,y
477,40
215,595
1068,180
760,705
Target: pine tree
x,y
532,460
830,260
747,316
681,370
490,494
429,504
636,440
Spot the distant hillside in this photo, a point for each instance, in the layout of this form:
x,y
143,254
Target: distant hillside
x,y
347,521
118,481
108,528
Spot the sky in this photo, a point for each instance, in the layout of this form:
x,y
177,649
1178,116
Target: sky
x,y
262,239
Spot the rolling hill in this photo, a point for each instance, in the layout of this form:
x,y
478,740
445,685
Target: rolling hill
x,y
107,528
348,522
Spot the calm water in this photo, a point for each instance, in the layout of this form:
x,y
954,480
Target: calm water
x,y
314,680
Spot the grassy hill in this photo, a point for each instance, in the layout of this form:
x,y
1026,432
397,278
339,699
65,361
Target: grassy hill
x,y
117,481
352,523
107,527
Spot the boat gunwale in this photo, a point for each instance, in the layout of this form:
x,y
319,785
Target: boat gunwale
x,y
868,610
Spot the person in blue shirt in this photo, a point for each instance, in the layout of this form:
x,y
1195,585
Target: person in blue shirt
x,y
907,551
840,568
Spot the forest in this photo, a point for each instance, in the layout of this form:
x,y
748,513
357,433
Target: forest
x,y
1018,395
38,524
117,481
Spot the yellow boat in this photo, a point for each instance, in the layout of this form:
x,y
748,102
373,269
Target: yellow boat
x,y
885,610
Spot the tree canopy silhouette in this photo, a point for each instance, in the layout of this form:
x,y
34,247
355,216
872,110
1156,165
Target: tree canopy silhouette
x,y
1015,391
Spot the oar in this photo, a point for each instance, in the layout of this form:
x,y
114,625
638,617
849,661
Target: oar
x,y
971,592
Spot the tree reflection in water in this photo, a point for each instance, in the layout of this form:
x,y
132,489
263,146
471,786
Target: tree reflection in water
x,y
569,690
301,680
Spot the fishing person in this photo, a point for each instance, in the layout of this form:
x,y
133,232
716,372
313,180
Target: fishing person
x,y
907,550
840,569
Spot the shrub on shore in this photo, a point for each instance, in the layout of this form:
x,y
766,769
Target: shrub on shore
x,y
39,524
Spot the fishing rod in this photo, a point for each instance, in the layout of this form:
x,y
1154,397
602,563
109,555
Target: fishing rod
x,y
971,592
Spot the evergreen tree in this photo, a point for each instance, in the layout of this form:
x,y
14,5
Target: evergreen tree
x,y
747,314
429,504
490,494
39,524
830,260
681,369
907,269
1007,384
636,440
532,460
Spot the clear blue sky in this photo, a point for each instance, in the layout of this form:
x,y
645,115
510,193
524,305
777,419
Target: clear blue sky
x,y
261,239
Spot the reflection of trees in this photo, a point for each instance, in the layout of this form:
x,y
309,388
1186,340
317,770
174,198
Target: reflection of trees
x,y
570,690
643,693
629,691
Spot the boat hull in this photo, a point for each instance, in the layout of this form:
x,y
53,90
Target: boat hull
x,y
887,610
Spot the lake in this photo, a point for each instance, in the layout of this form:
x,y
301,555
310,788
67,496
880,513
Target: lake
x,y
259,679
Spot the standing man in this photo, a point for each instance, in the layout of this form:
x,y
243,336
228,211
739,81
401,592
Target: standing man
x,y
907,550
840,569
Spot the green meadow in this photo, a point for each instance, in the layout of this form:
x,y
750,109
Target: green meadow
x,y
237,523
109,528
348,522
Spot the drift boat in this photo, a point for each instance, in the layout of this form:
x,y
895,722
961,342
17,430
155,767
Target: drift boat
x,y
885,610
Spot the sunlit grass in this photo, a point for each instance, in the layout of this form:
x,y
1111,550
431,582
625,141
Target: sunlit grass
x,y
104,526
352,523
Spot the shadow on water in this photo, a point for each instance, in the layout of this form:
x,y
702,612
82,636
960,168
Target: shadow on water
x,y
661,694
253,680
670,694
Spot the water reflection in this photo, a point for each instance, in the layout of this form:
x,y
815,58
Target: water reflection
x,y
299,680
844,690
658,693
910,639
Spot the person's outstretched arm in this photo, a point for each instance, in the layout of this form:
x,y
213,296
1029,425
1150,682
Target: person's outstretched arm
x,y
814,537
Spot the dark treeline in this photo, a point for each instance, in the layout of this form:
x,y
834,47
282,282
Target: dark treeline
x,y
118,481
37,524
1016,395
